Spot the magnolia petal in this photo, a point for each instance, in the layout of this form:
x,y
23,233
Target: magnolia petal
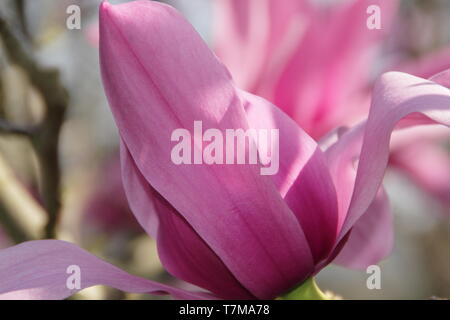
x,y
182,252
337,45
240,35
160,76
364,243
414,152
371,238
253,37
303,180
39,270
399,100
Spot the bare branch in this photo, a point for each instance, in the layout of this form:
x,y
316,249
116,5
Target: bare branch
x,y
9,128
46,138
21,15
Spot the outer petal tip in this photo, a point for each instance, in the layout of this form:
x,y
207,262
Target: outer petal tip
x,y
104,6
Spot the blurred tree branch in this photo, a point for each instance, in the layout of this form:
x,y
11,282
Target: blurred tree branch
x,y
9,128
45,136
21,214
14,231
21,15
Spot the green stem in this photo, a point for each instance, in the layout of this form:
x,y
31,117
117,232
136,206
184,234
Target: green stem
x,y
308,290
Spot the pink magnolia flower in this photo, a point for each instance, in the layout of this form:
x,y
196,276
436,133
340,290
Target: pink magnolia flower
x,y
226,228
317,63
312,61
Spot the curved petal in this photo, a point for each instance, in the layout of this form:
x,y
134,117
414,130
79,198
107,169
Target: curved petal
x,y
160,76
361,244
371,238
414,152
182,252
38,270
342,156
399,100
303,179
